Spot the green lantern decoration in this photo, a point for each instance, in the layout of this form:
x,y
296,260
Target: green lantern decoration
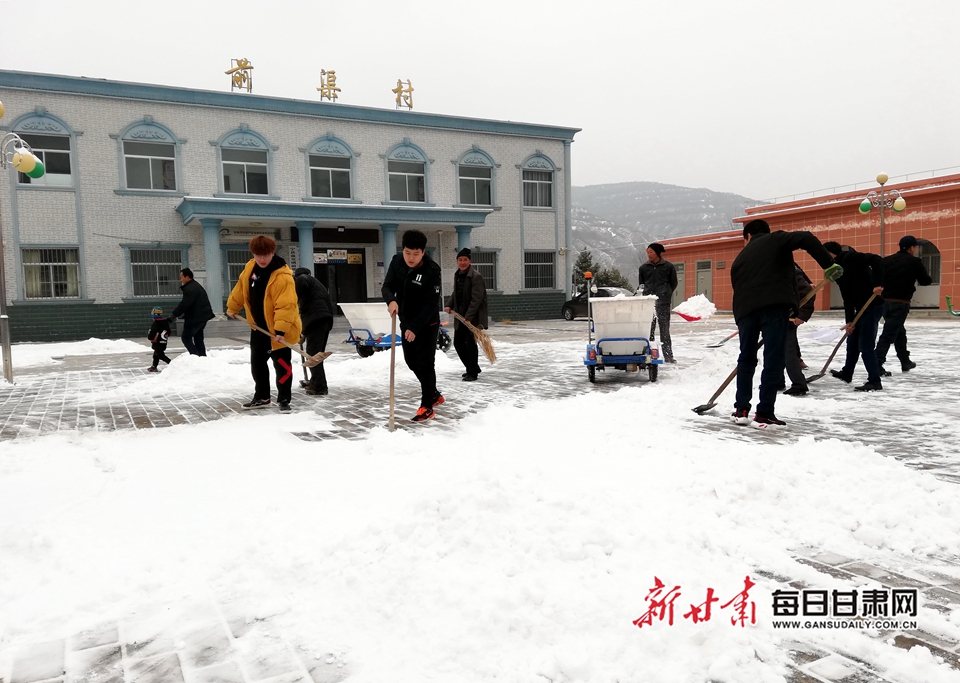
x,y
38,169
865,206
899,204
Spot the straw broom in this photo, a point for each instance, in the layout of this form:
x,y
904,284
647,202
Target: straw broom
x,y
483,339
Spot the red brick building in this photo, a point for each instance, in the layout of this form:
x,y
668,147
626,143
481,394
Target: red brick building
x,y
933,207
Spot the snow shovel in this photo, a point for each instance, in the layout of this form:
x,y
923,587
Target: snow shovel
x,y
836,348
717,346
688,318
308,361
709,405
393,356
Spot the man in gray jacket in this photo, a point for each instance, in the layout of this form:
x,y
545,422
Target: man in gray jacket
x,y
469,299
659,277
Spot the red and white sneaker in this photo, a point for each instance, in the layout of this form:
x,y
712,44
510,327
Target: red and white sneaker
x,y
438,399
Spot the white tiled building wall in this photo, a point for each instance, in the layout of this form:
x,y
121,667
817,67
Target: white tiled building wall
x,y
109,219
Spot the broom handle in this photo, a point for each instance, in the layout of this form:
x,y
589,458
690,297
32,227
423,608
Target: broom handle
x,y
393,355
473,329
284,342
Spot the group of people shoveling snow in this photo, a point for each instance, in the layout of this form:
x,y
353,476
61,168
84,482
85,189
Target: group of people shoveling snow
x,y
283,305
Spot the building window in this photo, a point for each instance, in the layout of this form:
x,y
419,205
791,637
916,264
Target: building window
x,y
150,165
539,270
486,264
236,260
54,152
244,171
156,272
475,185
538,189
408,181
329,177
51,273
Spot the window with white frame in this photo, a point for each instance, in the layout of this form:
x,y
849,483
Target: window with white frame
x,y
475,185
244,171
537,189
408,181
236,260
156,272
539,270
54,152
486,264
51,273
330,177
150,165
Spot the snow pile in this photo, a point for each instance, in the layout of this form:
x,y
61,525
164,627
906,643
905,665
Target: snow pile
x,y
24,355
697,306
518,545
825,335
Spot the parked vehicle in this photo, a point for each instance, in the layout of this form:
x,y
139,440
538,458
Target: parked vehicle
x,y
577,306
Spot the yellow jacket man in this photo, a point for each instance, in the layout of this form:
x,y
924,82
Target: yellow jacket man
x,y
267,292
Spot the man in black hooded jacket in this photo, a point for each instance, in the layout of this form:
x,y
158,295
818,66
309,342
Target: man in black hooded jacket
x,y
862,279
411,289
316,316
764,294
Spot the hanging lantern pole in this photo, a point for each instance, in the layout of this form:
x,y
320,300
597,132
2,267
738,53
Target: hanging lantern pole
x,y
885,199
17,153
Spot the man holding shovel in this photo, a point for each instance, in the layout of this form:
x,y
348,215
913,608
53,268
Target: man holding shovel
x,y
469,299
764,295
411,289
861,287
268,294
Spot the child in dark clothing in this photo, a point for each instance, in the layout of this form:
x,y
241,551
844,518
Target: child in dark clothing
x,y
159,331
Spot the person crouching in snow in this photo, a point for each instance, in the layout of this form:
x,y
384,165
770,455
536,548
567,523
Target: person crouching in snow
x,y
158,334
268,294
412,291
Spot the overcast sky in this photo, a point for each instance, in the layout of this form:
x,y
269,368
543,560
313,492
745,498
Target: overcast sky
x,y
760,98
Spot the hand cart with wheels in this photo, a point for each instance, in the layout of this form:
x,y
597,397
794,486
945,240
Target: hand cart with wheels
x,y
370,329
620,326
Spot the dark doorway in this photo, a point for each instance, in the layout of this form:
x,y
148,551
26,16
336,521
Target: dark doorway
x,y
347,282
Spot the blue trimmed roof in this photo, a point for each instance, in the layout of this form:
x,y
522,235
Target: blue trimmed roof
x,y
22,80
195,208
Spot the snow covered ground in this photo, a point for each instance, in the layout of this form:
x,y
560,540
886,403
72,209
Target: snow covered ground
x,y
519,545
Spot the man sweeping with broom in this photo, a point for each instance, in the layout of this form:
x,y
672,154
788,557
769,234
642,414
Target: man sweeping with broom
x,y
469,300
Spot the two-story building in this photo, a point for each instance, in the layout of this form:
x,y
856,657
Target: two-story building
x,y
143,180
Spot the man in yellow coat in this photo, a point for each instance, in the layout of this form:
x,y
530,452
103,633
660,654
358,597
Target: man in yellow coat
x,y
267,292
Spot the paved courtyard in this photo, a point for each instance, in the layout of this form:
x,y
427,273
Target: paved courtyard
x,y
216,642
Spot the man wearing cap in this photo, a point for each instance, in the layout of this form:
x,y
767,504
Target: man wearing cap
x,y
469,299
659,277
901,273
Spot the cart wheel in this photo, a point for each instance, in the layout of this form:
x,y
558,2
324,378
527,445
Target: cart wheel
x,y
443,342
591,373
652,372
364,351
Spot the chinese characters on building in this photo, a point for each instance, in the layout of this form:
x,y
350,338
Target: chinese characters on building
x,y
404,95
328,85
660,606
240,76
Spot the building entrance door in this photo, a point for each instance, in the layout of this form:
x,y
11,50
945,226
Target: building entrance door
x,y
680,293
347,282
705,279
